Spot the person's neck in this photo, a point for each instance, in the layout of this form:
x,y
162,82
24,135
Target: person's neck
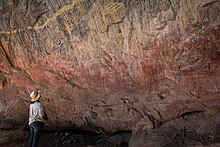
x,y
35,101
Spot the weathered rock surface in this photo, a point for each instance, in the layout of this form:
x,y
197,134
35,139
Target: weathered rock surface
x,y
103,66
19,137
198,129
2,82
191,130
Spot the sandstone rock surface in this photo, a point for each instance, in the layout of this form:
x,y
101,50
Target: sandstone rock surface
x,y
107,66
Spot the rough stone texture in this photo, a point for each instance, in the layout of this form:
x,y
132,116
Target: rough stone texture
x,y
191,130
197,129
19,136
2,81
126,65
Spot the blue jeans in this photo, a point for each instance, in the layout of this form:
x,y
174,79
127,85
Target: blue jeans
x,y
35,131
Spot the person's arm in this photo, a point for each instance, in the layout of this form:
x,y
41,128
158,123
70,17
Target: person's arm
x,y
45,116
42,113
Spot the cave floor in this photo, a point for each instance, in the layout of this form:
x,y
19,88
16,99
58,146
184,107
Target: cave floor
x,y
19,138
199,129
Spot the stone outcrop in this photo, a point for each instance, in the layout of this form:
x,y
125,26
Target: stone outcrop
x,y
107,66
192,130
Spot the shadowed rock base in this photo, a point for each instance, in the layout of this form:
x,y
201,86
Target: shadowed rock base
x,y
66,138
199,129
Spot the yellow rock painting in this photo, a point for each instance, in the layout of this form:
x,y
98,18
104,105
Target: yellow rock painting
x,y
62,11
113,13
67,22
106,13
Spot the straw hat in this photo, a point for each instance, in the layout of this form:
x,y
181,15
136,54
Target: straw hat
x,y
35,95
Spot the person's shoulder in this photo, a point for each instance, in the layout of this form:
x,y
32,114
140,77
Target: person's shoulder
x,y
37,104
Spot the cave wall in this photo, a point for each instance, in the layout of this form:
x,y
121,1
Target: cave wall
x,y
109,65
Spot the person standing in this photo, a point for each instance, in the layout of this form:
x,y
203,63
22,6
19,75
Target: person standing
x,y
37,119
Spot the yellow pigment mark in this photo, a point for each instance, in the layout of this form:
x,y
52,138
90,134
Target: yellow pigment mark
x,y
106,13
75,17
59,12
81,9
113,12
55,15
67,22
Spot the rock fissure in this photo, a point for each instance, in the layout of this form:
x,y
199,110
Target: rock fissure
x,y
7,54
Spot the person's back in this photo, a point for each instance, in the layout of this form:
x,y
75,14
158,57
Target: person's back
x,y
36,112
36,119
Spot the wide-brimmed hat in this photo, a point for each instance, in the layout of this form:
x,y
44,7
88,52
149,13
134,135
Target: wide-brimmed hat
x,y
35,95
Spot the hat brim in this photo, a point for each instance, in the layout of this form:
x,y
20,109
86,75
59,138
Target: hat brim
x,y
35,98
